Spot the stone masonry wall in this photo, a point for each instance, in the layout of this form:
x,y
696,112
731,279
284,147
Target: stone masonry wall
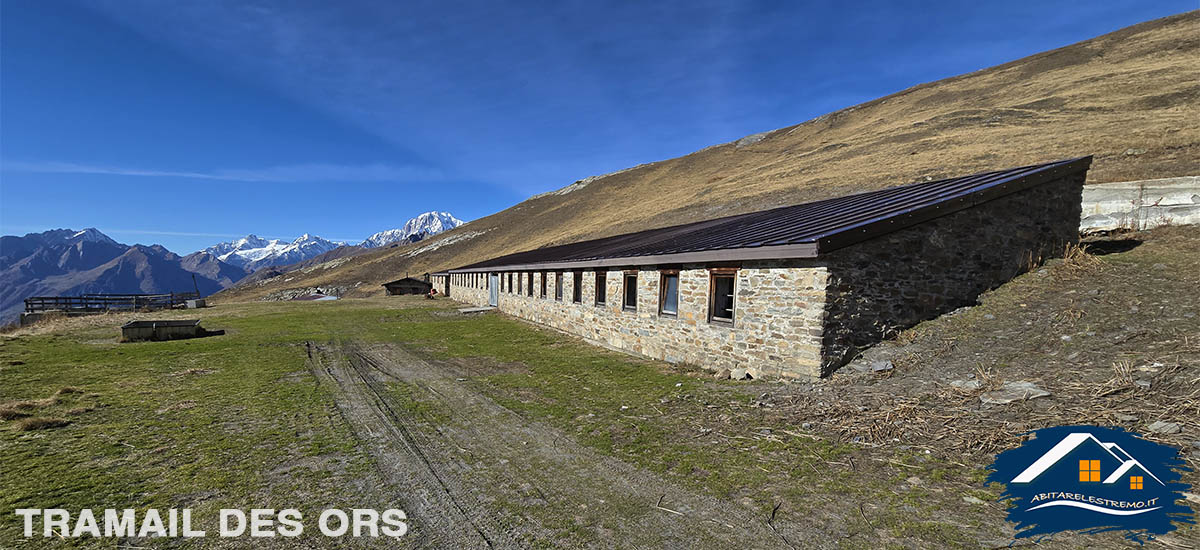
x,y
777,316
900,279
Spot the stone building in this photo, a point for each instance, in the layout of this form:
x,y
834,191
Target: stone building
x,y
794,291
407,285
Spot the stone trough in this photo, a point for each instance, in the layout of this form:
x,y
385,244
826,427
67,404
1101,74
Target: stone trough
x,y
141,331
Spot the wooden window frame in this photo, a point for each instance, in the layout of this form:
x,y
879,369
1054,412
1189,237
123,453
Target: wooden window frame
x,y
662,292
713,275
625,291
601,292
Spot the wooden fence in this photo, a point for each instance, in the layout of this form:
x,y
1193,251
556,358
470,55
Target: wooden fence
x,y
108,302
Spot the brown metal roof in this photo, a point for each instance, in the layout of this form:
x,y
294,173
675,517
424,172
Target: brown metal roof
x,y
801,231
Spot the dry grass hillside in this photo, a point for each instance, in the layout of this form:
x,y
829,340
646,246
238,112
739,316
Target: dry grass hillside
x,y
1131,98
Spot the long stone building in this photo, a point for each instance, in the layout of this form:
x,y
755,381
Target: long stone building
x,y
794,291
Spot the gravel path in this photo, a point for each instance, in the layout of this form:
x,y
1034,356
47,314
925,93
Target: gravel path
x,y
485,477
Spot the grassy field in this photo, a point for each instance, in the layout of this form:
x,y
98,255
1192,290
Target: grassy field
x,y
861,460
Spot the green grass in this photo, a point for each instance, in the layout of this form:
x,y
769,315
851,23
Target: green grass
x,y
253,429
145,432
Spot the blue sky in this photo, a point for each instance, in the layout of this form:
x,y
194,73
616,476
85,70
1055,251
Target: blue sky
x,y
188,123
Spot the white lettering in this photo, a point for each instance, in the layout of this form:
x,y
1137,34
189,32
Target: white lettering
x,y
55,517
122,527
28,514
241,522
368,519
187,525
343,523
152,525
394,524
262,522
289,523
86,522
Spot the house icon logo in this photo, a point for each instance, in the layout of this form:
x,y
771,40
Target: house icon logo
x,y
1092,479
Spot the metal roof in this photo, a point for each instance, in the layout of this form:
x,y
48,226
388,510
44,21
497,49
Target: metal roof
x,y
802,231
413,279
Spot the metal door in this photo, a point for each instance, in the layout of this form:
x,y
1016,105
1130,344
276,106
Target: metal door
x,y
493,289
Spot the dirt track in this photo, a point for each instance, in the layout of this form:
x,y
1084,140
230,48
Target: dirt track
x,y
488,478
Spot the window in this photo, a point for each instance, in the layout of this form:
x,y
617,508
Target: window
x,y
630,302
510,285
720,299
529,288
1135,482
601,283
668,294
1089,471
544,284
577,287
558,286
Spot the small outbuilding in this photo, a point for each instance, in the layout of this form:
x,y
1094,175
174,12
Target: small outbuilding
x,y
407,285
795,291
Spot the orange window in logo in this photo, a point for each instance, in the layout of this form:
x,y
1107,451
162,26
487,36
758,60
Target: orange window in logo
x,y
1135,482
1089,470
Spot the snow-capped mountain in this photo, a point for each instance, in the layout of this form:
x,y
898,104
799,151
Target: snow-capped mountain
x,y
418,228
252,252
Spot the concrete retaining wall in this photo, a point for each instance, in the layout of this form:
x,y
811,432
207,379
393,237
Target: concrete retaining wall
x,y
1141,204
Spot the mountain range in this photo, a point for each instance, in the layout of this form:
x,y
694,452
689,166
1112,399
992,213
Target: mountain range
x,y
65,262
252,252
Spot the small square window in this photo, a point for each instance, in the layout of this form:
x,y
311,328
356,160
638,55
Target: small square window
x,y
630,303
558,280
1135,482
720,299
668,294
1089,471
577,287
601,287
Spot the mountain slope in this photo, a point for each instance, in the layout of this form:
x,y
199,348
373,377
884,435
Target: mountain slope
x,y
1131,98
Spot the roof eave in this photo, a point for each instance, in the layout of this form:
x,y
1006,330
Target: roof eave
x,y
784,252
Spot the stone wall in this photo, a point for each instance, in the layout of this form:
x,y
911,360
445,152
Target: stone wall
x,y
777,316
898,280
806,318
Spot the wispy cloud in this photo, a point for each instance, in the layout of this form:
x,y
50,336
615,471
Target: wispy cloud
x,y
297,173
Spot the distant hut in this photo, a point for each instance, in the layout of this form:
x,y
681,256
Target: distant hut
x,y
407,285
